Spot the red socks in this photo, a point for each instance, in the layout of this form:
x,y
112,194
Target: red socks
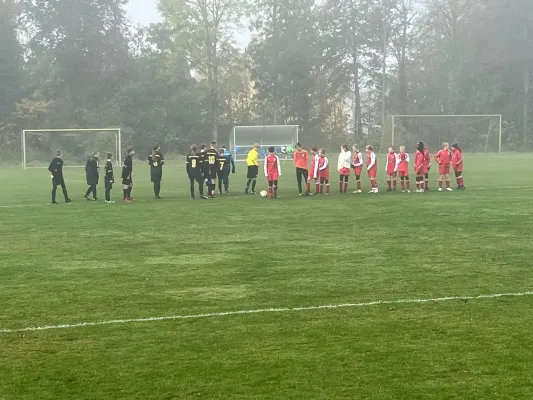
x,y
447,184
270,191
317,188
440,184
394,185
308,187
358,185
408,185
345,187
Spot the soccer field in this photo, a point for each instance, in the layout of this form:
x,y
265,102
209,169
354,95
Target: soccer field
x,y
261,269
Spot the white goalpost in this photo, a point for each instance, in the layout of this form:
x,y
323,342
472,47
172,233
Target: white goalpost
x,y
282,137
39,145
478,133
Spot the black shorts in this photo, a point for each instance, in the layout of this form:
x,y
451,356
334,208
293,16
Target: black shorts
x,y
197,178
253,171
127,182
58,181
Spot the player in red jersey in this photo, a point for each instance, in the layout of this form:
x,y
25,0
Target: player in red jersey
x,y
357,166
391,168
457,161
420,169
343,166
372,168
272,172
403,170
323,172
444,159
313,172
427,166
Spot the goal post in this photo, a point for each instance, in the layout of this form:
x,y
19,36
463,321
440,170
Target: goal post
x,y
39,145
282,137
476,133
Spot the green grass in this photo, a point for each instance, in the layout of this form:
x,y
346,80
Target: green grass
x,y
88,262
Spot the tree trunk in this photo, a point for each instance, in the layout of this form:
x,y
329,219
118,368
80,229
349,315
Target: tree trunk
x,y
526,100
358,126
402,75
275,100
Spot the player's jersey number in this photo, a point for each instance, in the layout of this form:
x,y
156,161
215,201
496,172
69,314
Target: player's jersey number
x,y
193,163
212,160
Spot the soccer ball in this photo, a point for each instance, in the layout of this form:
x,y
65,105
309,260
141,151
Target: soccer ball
x,y
263,193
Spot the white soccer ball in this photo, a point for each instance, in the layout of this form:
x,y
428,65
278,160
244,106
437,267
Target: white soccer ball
x,y
263,193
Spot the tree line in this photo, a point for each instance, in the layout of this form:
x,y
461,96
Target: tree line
x,y
320,64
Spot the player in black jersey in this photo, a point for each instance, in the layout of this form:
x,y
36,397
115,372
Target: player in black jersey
x,y
211,168
56,169
195,169
223,170
109,178
127,179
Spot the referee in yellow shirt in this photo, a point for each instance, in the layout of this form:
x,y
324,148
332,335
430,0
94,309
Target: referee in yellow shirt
x,y
253,168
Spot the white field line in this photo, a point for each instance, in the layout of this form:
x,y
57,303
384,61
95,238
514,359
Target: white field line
x,y
263,310
82,201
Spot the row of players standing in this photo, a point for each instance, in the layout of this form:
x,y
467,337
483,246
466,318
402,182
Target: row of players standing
x,y
92,174
397,165
206,166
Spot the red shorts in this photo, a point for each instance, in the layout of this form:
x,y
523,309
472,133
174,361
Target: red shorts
x,y
391,172
421,172
323,175
273,177
372,173
345,172
403,174
357,171
444,169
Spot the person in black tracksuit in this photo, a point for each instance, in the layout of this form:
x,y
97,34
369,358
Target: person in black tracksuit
x,y
92,173
109,179
156,161
127,178
56,169
195,169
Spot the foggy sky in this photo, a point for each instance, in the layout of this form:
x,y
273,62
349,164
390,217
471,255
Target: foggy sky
x,y
145,12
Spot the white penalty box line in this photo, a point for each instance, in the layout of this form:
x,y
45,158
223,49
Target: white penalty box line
x,y
265,310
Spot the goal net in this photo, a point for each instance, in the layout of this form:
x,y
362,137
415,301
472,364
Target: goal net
x,y
39,145
473,133
282,137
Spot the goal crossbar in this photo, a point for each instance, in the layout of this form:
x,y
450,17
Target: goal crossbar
x,y
499,116
118,136
261,136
